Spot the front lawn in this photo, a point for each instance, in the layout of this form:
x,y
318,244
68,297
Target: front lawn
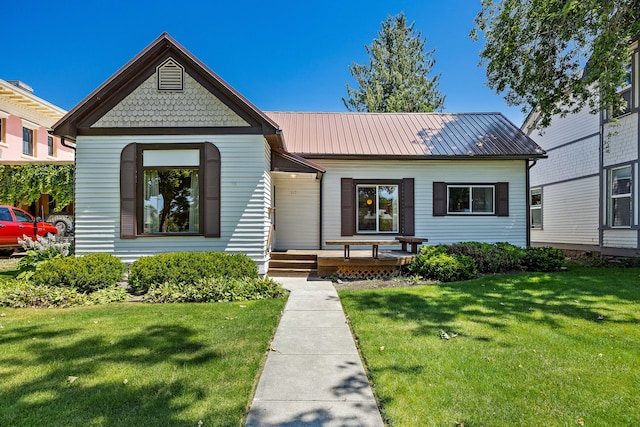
x,y
132,364
543,349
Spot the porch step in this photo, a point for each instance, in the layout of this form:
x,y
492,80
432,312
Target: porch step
x,y
285,264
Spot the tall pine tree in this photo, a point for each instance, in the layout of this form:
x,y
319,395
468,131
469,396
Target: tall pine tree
x,y
397,76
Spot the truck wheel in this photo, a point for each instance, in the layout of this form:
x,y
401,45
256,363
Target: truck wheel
x,y
62,226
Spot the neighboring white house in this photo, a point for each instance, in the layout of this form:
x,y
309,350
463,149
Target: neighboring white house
x,y
585,195
170,157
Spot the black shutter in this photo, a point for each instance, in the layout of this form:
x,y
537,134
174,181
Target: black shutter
x,y
128,175
347,209
439,199
408,226
502,199
211,205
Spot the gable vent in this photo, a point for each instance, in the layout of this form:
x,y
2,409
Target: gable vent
x,y
170,75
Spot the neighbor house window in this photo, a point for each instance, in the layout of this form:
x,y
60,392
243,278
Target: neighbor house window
x,y
470,199
50,146
620,197
27,141
2,127
371,206
177,190
378,208
535,208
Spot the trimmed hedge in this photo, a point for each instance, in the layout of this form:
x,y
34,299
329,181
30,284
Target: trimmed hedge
x,y
543,259
86,274
215,289
491,258
444,267
188,268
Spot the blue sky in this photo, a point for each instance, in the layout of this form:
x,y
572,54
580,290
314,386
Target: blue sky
x,y
281,55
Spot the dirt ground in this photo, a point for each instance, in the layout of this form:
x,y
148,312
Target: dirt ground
x,y
397,282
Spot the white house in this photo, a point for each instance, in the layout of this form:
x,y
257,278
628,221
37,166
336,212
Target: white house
x,y
585,195
170,157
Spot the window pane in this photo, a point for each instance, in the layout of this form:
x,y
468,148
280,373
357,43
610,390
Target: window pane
x,y
536,197
171,201
22,216
50,145
621,181
458,199
27,141
482,199
536,218
367,208
388,208
621,212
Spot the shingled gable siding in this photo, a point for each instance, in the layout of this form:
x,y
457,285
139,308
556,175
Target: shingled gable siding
x,y
245,195
438,229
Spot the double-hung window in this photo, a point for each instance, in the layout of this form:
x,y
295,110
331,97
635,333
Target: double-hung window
x,y
535,208
378,208
27,141
51,146
620,197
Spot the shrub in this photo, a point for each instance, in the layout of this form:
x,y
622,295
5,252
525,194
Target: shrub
x,y
109,295
86,274
40,250
444,267
215,289
20,294
491,257
188,268
543,259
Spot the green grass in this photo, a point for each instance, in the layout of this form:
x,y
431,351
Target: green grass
x,y
530,350
135,364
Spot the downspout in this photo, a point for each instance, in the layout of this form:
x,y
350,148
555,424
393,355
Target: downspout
x,y
528,210
320,216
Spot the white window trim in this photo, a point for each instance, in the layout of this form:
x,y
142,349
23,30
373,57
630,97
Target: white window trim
x,y
377,213
612,196
533,207
471,187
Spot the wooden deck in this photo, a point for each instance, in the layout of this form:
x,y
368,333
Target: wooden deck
x,y
360,265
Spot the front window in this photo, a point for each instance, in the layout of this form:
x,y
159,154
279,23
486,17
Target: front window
x,y
535,206
27,141
377,208
620,197
470,199
171,194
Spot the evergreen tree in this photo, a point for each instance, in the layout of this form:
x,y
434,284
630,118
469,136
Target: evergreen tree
x,y
397,76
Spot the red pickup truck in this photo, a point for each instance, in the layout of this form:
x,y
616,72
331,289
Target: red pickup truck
x,y
16,223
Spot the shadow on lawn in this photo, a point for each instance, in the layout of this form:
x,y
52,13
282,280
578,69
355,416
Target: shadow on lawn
x,y
584,294
55,398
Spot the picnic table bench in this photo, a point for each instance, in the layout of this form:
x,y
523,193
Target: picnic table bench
x,y
413,241
374,245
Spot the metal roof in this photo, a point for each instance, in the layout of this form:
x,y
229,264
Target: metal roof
x,y
403,134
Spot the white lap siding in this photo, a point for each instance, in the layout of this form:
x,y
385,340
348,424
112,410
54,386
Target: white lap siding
x,y
443,229
245,197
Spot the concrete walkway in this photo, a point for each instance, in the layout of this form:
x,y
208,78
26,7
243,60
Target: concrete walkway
x,y
313,375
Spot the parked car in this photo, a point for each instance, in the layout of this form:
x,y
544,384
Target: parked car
x,y
63,221
15,224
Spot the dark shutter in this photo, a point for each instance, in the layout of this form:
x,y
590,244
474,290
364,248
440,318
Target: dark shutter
x,y
211,206
439,199
408,226
502,199
347,201
128,180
